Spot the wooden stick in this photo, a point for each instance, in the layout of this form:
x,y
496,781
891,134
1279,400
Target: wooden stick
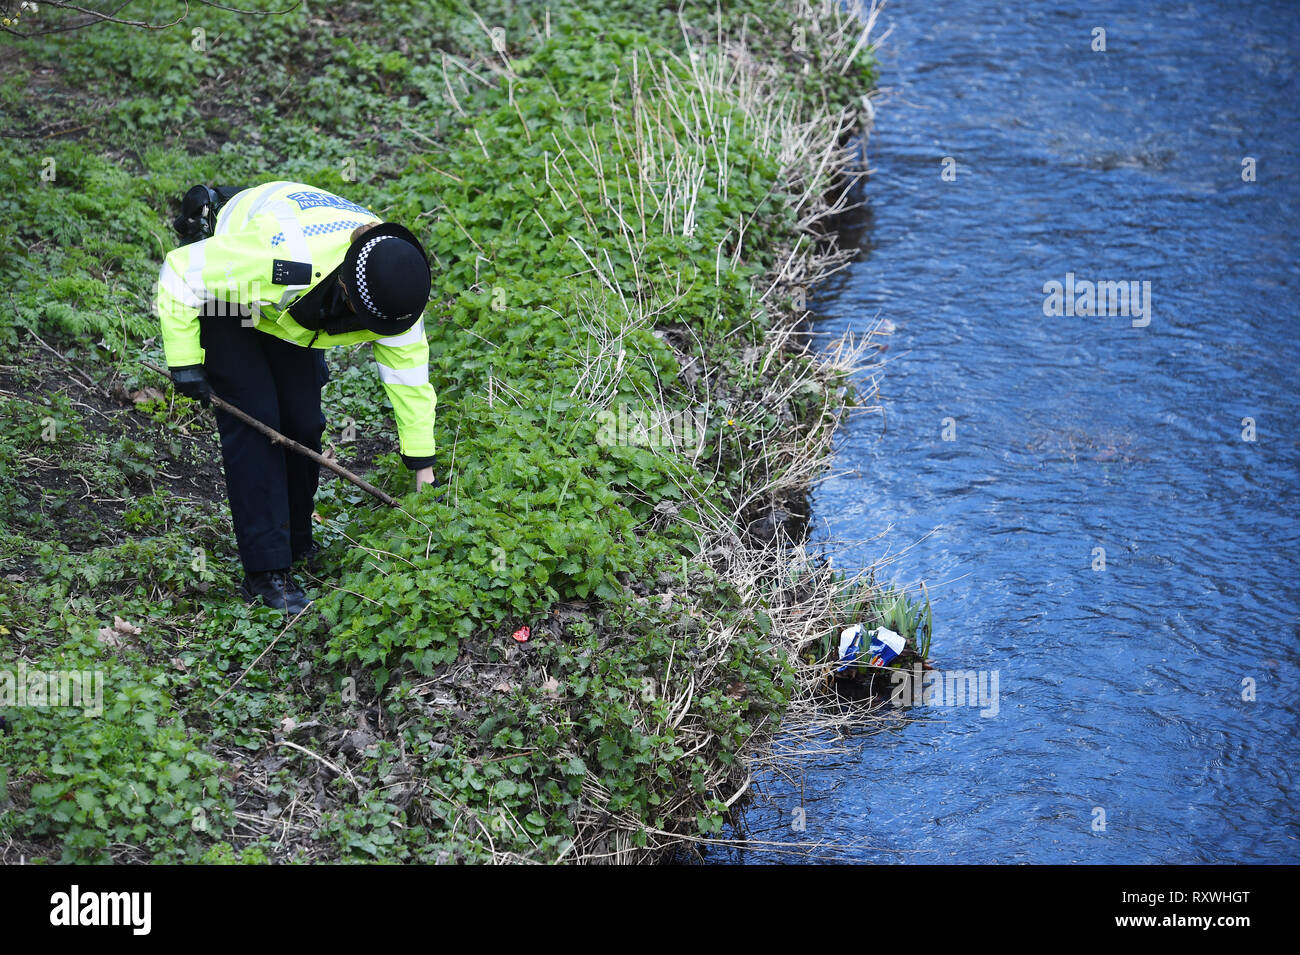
x,y
277,438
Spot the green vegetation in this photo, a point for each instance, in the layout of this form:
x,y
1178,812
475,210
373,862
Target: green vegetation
x,y
889,607
613,203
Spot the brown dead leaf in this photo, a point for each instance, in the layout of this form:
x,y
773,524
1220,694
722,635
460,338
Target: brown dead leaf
x,y
116,635
145,395
121,626
551,687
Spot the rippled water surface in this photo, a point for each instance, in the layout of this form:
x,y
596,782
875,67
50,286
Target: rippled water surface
x,y
1120,689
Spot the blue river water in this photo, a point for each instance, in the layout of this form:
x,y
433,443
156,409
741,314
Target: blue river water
x,y
1147,710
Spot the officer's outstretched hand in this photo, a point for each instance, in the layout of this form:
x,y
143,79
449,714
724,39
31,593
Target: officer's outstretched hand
x,y
192,382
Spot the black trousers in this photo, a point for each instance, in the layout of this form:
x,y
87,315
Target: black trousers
x,y
271,488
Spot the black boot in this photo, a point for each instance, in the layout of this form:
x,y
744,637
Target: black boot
x,y
277,589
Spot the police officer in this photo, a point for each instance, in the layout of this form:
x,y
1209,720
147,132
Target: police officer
x,y
267,279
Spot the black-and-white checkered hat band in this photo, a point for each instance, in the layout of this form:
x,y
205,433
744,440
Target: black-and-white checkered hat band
x,y
362,289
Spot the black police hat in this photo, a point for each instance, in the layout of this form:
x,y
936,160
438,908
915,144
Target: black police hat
x,y
387,278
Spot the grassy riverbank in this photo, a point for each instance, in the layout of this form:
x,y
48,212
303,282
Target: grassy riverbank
x,y
625,209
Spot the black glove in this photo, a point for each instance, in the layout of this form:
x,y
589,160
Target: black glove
x,y
192,382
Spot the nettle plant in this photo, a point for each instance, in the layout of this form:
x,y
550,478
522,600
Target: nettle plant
x,y
527,520
132,777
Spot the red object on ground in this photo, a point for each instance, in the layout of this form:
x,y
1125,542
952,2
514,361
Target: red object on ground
x,y
522,634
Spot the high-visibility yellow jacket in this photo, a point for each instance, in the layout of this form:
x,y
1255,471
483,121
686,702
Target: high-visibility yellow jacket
x,y
297,223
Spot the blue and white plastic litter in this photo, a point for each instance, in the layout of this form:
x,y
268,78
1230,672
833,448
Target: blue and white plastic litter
x,y
885,646
850,646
